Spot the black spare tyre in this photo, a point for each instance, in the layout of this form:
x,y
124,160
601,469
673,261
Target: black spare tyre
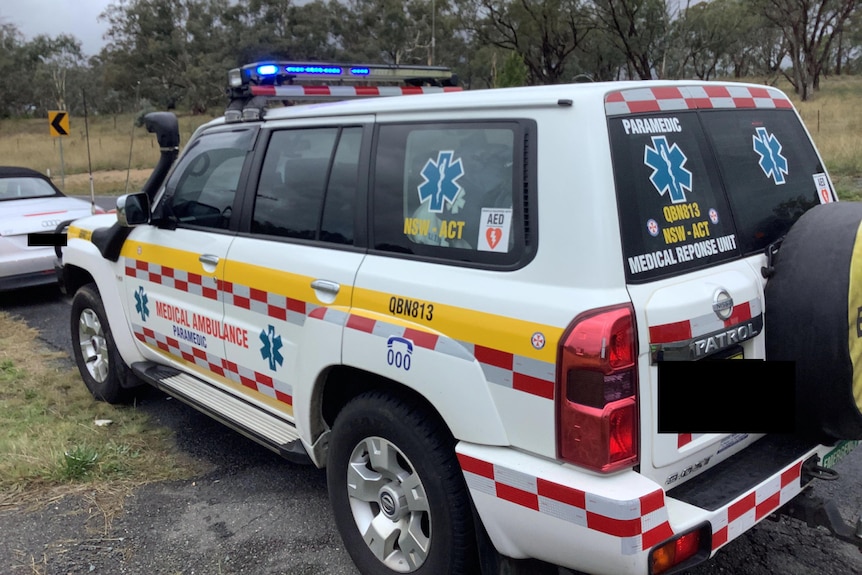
x,y
814,318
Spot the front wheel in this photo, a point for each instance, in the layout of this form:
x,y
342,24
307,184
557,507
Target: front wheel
x,y
96,355
397,491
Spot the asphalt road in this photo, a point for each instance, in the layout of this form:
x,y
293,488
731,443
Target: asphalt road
x,y
257,514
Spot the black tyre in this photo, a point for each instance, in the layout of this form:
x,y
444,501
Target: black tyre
x,y
96,355
814,318
397,491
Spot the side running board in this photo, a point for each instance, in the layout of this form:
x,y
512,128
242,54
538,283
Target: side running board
x,y
270,431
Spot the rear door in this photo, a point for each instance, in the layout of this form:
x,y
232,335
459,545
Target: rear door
x,y
701,193
288,283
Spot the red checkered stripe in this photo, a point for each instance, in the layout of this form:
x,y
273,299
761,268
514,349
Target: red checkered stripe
x,y
671,98
516,372
746,511
638,523
703,325
343,92
684,439
262,383
181,280
271,304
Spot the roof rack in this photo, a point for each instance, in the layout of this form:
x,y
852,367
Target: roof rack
x,y
252,85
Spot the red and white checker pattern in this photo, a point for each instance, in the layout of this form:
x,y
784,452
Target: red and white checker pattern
x,y
742,514
684,439
703,325
502,368
672,98
267,303
638,523
344,92
181,280
277,389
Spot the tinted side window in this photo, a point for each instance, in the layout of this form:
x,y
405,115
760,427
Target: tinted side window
x,y
303,171
202,188
673,211
451,191
769,168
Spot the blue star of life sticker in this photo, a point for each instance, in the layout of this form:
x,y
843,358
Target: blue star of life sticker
x,y
441,181
669,173
773,164
141,302
271,346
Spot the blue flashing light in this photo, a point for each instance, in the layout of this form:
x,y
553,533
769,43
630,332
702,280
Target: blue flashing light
x,y
267,70
316,70
360,71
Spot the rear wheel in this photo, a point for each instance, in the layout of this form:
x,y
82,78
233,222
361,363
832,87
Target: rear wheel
x,y
397,491
102,369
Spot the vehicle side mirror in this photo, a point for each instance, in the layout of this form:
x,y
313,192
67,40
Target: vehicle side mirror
x,y
133,209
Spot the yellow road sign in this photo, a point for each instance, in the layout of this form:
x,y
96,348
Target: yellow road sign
x,y
58,123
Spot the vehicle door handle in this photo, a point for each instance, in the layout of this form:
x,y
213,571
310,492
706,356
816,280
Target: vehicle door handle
x,y
326,286
208,260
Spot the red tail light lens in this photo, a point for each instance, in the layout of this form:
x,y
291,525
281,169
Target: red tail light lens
x,y
597,409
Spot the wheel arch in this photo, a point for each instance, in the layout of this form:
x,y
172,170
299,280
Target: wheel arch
x,y
338,385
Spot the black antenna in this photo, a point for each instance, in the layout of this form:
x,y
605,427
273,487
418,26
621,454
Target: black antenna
x,y
132,137
89,161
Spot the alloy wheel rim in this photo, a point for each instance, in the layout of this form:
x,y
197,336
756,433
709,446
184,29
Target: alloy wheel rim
x,y
389,504
94,345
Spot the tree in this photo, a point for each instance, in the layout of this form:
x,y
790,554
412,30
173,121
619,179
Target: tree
x,y
546,33
638,29
811,28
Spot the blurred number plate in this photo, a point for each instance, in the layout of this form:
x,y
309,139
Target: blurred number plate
x,y
839,451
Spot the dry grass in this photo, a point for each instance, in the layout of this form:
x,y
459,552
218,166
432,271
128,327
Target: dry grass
x,y
46,413
28,143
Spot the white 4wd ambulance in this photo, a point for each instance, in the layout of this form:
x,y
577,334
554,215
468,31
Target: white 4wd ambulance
x,y
460,305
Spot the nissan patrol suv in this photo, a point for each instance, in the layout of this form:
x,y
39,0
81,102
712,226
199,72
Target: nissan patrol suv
x,y
608,326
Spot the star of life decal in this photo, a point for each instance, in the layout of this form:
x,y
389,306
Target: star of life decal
x,y
141,301
669,173
271,349
773,164
441,182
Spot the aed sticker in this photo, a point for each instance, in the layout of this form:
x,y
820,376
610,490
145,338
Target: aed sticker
x,y
652,227
494,229
824,194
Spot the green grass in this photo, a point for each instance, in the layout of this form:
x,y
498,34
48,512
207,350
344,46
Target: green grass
x,y
51,439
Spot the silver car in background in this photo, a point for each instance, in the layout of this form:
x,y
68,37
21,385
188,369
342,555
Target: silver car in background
x,y
30,203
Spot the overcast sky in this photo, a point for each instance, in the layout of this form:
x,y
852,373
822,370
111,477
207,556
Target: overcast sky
x,y
80,18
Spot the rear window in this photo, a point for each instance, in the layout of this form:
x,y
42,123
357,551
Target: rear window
x,y
770,171
23,188
673,211
697,188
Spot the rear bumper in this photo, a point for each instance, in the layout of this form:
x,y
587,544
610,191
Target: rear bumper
x,y
532,507
31,279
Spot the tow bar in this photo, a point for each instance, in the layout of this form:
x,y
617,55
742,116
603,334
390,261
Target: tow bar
x,y
818,512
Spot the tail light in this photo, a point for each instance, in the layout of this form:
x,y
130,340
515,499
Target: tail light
x,y
597,407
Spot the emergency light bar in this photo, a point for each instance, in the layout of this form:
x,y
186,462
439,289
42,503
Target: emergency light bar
x,y
251,86
278,73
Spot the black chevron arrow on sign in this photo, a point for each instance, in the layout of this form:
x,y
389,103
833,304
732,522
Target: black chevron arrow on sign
x,y
57,124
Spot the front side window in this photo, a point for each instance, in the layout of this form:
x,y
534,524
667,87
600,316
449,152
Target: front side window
x,y
202,189
451,191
